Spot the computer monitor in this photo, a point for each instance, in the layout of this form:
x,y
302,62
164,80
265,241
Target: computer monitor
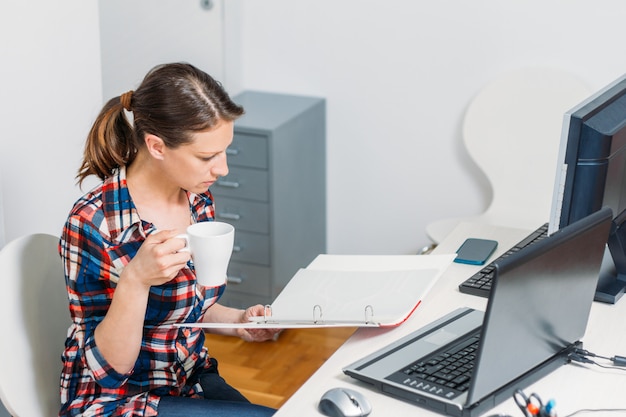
x,y
591,174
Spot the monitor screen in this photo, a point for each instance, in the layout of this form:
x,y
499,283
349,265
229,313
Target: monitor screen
x,y
591,174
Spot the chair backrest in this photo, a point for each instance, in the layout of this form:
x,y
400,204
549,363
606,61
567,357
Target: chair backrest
x,y
512,130
1,215
34,319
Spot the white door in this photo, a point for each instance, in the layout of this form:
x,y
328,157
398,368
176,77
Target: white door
x,y
139,34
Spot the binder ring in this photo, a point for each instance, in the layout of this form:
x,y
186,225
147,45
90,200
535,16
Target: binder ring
x,y
317,313
369,314
267,308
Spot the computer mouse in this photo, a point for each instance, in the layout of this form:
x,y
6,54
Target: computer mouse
x,y
344,402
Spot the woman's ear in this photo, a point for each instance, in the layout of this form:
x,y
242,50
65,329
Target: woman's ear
x,y
155,146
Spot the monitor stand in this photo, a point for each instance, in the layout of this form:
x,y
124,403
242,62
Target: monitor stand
x,y
611,285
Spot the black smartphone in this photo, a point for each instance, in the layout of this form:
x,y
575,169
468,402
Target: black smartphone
x,y
475,251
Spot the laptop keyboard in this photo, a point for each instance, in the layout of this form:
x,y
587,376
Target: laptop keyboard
x,y
480,283
446,373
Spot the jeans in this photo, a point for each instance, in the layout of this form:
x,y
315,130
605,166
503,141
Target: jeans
x,y
220,400
190,407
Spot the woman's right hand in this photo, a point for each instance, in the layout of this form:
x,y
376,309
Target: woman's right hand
x,y
158,260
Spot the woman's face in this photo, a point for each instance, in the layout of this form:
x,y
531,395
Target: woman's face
x,y
195,166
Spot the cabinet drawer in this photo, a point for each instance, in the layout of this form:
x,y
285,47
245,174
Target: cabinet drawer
x,y
248,151
251,248
245,183
245,215
251,279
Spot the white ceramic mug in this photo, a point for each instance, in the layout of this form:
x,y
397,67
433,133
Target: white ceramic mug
x,y
211,245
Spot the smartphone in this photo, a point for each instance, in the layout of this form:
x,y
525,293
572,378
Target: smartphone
x,y
475,251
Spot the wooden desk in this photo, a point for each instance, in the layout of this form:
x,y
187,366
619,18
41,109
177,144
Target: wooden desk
x,y
573,387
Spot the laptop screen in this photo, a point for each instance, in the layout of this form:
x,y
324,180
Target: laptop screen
x,y
540,303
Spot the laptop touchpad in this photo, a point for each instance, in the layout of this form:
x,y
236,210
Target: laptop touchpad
x,y
441,337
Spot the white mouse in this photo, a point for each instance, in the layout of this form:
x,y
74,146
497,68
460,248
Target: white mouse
x,y
344,402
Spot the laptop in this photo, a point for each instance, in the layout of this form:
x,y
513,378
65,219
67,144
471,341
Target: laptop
x,y
468,361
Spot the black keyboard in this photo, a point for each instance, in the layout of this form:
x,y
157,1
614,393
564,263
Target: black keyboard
x,y
446,373
480,283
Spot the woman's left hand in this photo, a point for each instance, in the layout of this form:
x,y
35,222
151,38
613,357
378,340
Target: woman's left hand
x,y
218,313
255,335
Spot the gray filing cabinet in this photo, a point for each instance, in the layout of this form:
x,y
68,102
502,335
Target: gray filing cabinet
x,y
274,194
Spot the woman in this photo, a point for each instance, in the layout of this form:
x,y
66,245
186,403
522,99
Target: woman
x,y
127,280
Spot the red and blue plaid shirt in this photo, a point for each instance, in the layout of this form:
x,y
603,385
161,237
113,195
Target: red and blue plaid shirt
x,y
102,234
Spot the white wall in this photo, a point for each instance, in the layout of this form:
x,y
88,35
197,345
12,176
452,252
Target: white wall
x,y
131,44
398,76
51,90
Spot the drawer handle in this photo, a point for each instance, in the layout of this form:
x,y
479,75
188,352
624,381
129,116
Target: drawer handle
x,y
229,216
237,248
228,184
232,151
234,280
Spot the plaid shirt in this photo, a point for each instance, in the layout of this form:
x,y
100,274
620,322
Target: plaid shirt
x,y
102,234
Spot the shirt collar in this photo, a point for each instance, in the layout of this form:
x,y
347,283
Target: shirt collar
x,y
122,215
118,208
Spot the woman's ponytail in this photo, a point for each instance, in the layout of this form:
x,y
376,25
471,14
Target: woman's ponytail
x,y
110,143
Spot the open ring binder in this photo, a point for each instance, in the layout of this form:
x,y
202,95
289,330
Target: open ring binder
x,y
384,293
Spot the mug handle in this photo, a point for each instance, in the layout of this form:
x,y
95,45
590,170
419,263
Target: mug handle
x,y
186,238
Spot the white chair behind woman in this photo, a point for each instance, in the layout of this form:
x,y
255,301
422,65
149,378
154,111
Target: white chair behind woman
x,y
1,216
34,318
512,130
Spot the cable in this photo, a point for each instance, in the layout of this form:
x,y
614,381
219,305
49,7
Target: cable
x,y
580,358
617,360
580,355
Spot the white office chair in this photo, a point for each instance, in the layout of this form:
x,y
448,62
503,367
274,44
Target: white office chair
x,y
1,215
34,318
512,130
